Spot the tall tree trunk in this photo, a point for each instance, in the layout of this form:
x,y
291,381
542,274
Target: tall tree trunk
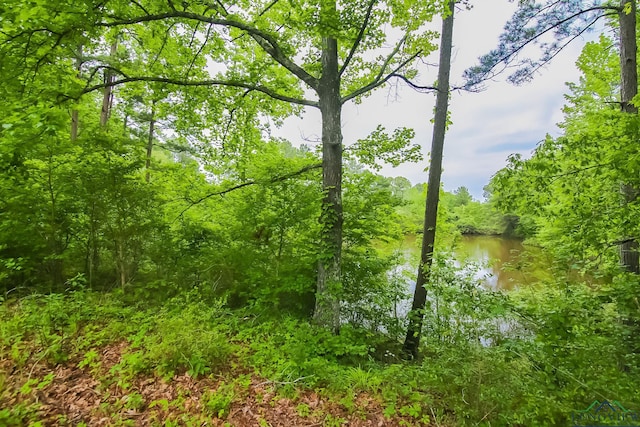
x,y
75,116
416,315
107,99
628,90
327,309
152,123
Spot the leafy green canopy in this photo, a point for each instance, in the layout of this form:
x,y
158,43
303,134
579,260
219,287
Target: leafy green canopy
x,y
267,47
572,184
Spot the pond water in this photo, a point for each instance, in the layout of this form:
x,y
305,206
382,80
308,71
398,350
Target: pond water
x,y
504,263
498,262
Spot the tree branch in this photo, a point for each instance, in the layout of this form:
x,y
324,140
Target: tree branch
x,y
581,32
266,9
273,180
265,40
359,38
555,25
577,171
140,6
230,120
165,39
388,59
415,86
224,9
271,93
542,10
202,46
379,81
506,58
274,50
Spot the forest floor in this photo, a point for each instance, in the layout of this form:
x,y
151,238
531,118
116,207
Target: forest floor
x,y
91,359
149,357
67,394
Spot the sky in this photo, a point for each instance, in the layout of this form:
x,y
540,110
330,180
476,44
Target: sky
x,y
487,126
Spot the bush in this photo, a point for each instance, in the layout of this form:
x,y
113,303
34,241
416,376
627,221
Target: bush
x,y
188,340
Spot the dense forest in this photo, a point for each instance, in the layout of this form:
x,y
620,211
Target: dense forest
x,y
164,260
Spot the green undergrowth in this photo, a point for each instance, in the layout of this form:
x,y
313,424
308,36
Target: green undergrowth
x,y
517,380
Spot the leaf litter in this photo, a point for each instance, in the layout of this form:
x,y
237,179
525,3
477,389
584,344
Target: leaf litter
x,y
93,396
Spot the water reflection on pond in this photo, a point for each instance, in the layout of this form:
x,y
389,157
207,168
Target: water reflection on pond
x,y
504,263
499,262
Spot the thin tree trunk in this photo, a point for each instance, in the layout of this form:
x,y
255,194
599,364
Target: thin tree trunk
x,y
628,90
93,255
74,124
107,103
152,123
55,251
121,262
75,116
107,99
416,315
327,309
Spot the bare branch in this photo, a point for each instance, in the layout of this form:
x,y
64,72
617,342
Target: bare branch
x,y
44,57
413,85
204,43
140,6
285,382
165,39
266,9
231,83
231,114
379,81
273,180
195,34
28,33
224,9
389,58
359,38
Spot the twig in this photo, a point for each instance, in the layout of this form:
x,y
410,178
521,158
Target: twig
x,y
487,414
36,362
273,382
435,419
248,183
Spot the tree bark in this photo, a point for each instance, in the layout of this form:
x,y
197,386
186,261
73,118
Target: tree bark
x,y
107,99
92,256
327,309
74,124
152,123
54,235
75,116
628,90
121,263
416,315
